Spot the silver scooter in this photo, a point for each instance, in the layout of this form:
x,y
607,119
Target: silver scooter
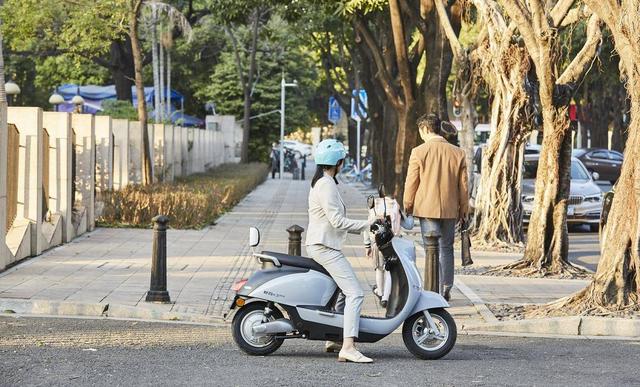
x,y
303,290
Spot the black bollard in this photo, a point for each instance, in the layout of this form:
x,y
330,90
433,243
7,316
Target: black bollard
x,y
158,289
295,240
431,267
304,165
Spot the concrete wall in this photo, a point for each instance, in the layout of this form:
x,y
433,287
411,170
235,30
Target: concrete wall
x,y
84,183
86,156
104,153
4,251
135,152
28,120
120,173
232,136
60,180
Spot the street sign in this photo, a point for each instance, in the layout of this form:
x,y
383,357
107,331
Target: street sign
x,y
334,110
358,112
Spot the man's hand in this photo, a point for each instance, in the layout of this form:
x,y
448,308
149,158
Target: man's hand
x,y
408,210
368,252
462,218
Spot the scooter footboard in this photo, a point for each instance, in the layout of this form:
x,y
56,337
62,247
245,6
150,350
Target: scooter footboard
x,y
429,300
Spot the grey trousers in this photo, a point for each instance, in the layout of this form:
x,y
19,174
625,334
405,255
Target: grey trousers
x,y
341,271
447,229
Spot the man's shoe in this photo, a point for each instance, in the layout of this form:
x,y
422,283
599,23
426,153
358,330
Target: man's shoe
x,y
332,346
447,295
353,356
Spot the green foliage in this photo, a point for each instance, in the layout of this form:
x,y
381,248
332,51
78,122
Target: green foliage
x,y
80,26
192,202
119,109
280,50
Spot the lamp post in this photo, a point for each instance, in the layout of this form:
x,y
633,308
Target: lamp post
x,y
11,88
56,100
79,102
283,86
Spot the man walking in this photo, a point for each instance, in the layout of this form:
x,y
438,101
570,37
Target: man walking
x,y
436,191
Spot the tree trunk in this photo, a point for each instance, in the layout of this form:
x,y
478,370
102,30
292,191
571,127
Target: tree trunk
x,y
246,126
168,99
121,67
406,136
616,284
468,133
161,76
498,211
154,60
147,177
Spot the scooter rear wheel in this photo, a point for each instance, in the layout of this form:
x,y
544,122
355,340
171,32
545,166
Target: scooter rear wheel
x,y
424,344
244,320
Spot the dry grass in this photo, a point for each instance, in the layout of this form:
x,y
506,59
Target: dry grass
x,y
192,202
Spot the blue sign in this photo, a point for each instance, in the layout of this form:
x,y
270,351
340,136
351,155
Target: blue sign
x,y
360,111
334,110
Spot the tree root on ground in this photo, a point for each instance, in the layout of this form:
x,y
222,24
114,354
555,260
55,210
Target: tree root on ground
x,y
580,304
481,244
526,268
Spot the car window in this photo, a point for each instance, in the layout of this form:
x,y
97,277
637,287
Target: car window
x,y
615,156
578,172
599,155
531,170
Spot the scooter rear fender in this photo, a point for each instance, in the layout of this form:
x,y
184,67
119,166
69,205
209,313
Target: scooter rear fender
x,y
429,300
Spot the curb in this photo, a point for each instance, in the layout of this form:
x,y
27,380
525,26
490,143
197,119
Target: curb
x,y
477,302
106,310
566,326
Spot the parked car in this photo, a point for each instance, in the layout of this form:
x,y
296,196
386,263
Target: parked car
x,y
606,162
299,148
585,197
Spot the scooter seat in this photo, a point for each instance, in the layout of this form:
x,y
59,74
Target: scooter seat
x,y
295,261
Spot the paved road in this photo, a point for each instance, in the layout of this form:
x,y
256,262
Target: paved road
x,y
43,351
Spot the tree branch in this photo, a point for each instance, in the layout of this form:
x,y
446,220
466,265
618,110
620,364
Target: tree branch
x,y
525,26
584,59
560,11
236,52
382,74
397,28
445,24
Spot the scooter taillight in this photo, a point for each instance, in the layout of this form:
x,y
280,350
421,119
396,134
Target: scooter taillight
x,y
238,285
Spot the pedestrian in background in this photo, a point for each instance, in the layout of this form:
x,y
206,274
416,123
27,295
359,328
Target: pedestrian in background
x,y
275,160
436,192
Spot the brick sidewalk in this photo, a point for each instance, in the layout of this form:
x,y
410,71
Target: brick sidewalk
x,y
112,266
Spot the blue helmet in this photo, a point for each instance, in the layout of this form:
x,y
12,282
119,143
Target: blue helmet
x,y
329,152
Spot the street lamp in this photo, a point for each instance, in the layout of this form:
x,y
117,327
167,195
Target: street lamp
x,y
283,86
56,99
11,88
78,101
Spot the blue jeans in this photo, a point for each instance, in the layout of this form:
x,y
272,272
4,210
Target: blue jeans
x,y
447,230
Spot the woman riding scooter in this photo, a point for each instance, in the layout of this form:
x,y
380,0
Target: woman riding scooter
x,y
327,231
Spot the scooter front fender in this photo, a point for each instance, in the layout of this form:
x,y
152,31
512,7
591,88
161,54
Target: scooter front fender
x,y
429,300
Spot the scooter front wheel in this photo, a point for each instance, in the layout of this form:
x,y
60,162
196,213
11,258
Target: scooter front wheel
x,y
243,322
423,340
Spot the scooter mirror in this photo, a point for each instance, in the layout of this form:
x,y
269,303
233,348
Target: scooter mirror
x,y
254,236
371,201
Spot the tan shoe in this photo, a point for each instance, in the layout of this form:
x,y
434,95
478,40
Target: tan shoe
x,y
353,356
332,346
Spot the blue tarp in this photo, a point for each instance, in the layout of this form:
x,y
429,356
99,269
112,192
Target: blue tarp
x,y
94,95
